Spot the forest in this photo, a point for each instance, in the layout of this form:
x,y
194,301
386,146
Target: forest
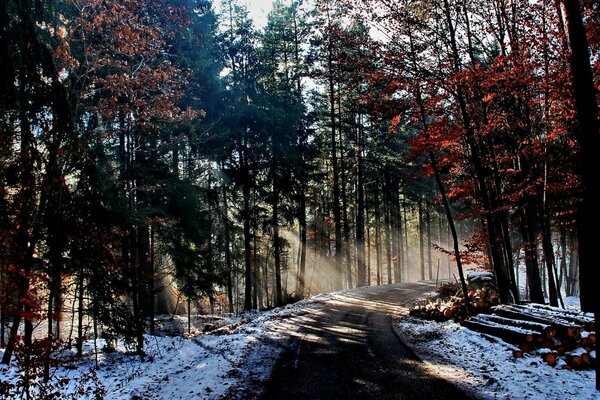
x,y
170,156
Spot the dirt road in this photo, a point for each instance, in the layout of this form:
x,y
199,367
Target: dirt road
x,y
348,350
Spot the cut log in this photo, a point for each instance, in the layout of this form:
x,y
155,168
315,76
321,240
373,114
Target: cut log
x,y
585,320
549,356
578,358
564,328
509,334
561,311
518,354
574,361
526,347
548,331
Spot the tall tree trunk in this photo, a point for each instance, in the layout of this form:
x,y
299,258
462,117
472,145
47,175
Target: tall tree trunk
x,y
549,258
402,267
255,262
405,230
247,236
572,279
588,218
337,273
394,212
152,283
563,258
421,244
360,214
347,256
378,235
303,228
368,246
276,245
529,234
428,222
388,228
227,245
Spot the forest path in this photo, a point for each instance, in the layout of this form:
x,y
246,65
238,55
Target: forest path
x,y
347,349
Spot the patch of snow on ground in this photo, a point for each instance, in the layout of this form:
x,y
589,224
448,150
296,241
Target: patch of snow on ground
x,y
485,367
227,366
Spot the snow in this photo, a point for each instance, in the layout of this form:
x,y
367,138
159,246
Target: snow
x,y
227,366
237,365
484,366
481,276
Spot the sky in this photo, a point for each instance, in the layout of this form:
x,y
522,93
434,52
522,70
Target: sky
x,y
259,9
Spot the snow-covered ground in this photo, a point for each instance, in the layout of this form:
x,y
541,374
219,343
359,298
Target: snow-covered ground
x,y
237,365
226,366
485,367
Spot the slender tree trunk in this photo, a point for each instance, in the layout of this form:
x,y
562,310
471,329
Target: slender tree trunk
x,y
394,213
80,311
152,283
368,249
428,222
337,273
276,245
227,245
3,303
388,229
360,215
572,279
303,228
402,267
255,262
528,233
549,258
378,234
563,258
189,315
406,249
247,236
421,244
347,257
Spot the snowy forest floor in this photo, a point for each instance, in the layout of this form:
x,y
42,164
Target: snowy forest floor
x,y
485,367
238,363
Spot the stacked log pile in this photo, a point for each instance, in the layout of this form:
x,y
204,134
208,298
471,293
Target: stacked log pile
x,y
453,307
562,338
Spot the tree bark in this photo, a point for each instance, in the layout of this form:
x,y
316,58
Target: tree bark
x,y
378,234
337,272
303,241
360,214
247,236
588,218
388,239
421,244
428,222
227,246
